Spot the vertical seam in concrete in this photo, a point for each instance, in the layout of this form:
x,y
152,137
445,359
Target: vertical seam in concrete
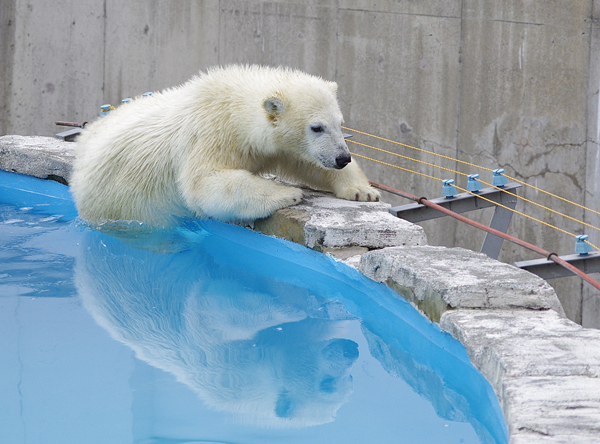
x,y
337,40
594,40
7,49
592,129
459,97
219,43
460,81
588,109
104,21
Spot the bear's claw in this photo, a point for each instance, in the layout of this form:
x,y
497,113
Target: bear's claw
x,y
360,194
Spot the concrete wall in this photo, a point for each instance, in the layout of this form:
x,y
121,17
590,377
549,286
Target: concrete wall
x,y
506,83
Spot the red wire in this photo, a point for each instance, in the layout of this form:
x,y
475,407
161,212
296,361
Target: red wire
x,y
550,256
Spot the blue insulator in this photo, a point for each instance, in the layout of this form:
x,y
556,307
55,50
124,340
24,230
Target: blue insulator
x,y
581,246
448,189
127,100
147,94
498,179
105,109
473,184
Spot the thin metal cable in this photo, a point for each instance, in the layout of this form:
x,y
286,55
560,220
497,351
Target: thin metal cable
x,y
475,194
473,166
541,206
483,182
406,157
398,167
550,256
552,195
417,149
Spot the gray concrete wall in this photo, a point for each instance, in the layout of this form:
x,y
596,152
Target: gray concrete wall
x,y
506,83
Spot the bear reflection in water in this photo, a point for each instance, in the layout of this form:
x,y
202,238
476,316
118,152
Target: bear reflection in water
x,y
269,351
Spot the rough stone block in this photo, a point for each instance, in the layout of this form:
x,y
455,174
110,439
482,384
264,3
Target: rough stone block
x,y
43,157
327,224
525,437
554,406
436,279
545,370
553,345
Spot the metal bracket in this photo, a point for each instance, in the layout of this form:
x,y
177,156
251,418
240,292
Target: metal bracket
x,y
70,134
465,202
590,263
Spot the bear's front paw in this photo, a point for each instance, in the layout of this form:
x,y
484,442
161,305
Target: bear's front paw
x,y
293,196
360,193
282,197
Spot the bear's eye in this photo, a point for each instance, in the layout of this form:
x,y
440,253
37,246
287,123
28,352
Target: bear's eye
x,y
317,128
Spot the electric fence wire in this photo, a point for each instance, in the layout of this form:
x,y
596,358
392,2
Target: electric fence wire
x,y
483,182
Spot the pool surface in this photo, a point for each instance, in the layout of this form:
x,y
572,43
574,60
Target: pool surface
x,y
211,333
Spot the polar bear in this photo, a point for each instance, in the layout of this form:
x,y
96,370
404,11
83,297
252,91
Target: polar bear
x,y
202,149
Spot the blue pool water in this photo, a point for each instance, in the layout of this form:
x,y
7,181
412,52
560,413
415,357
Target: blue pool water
x,y
212,333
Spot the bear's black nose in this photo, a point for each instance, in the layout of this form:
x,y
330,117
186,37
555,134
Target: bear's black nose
x,y
342,160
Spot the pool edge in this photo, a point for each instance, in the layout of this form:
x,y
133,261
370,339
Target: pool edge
x,y
545,369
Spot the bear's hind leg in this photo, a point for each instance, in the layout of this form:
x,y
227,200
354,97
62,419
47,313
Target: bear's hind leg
x,y
238,195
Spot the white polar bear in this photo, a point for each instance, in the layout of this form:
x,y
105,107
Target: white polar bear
x,y
200,149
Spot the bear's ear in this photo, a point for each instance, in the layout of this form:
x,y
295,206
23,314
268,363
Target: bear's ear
x,y
274,107
333,87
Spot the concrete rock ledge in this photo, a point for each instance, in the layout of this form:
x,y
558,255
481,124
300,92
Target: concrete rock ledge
x,y
544,368
436,279
341,227
43,157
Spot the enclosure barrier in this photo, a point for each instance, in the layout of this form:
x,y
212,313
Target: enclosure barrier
x,y
477,198
550,256
474,179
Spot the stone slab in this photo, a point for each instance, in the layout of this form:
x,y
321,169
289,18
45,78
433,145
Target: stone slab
x,y
43,157
437,279
544,368
325,223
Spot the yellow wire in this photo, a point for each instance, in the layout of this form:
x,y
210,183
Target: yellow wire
x,y
406,157
398,167
415,148
552,195
483,182
526,215
473,166
477,195
542,206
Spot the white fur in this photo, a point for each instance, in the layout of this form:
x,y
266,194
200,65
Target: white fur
x,y
200,149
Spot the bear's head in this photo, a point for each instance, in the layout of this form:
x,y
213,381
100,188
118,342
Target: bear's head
x,y
307,122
